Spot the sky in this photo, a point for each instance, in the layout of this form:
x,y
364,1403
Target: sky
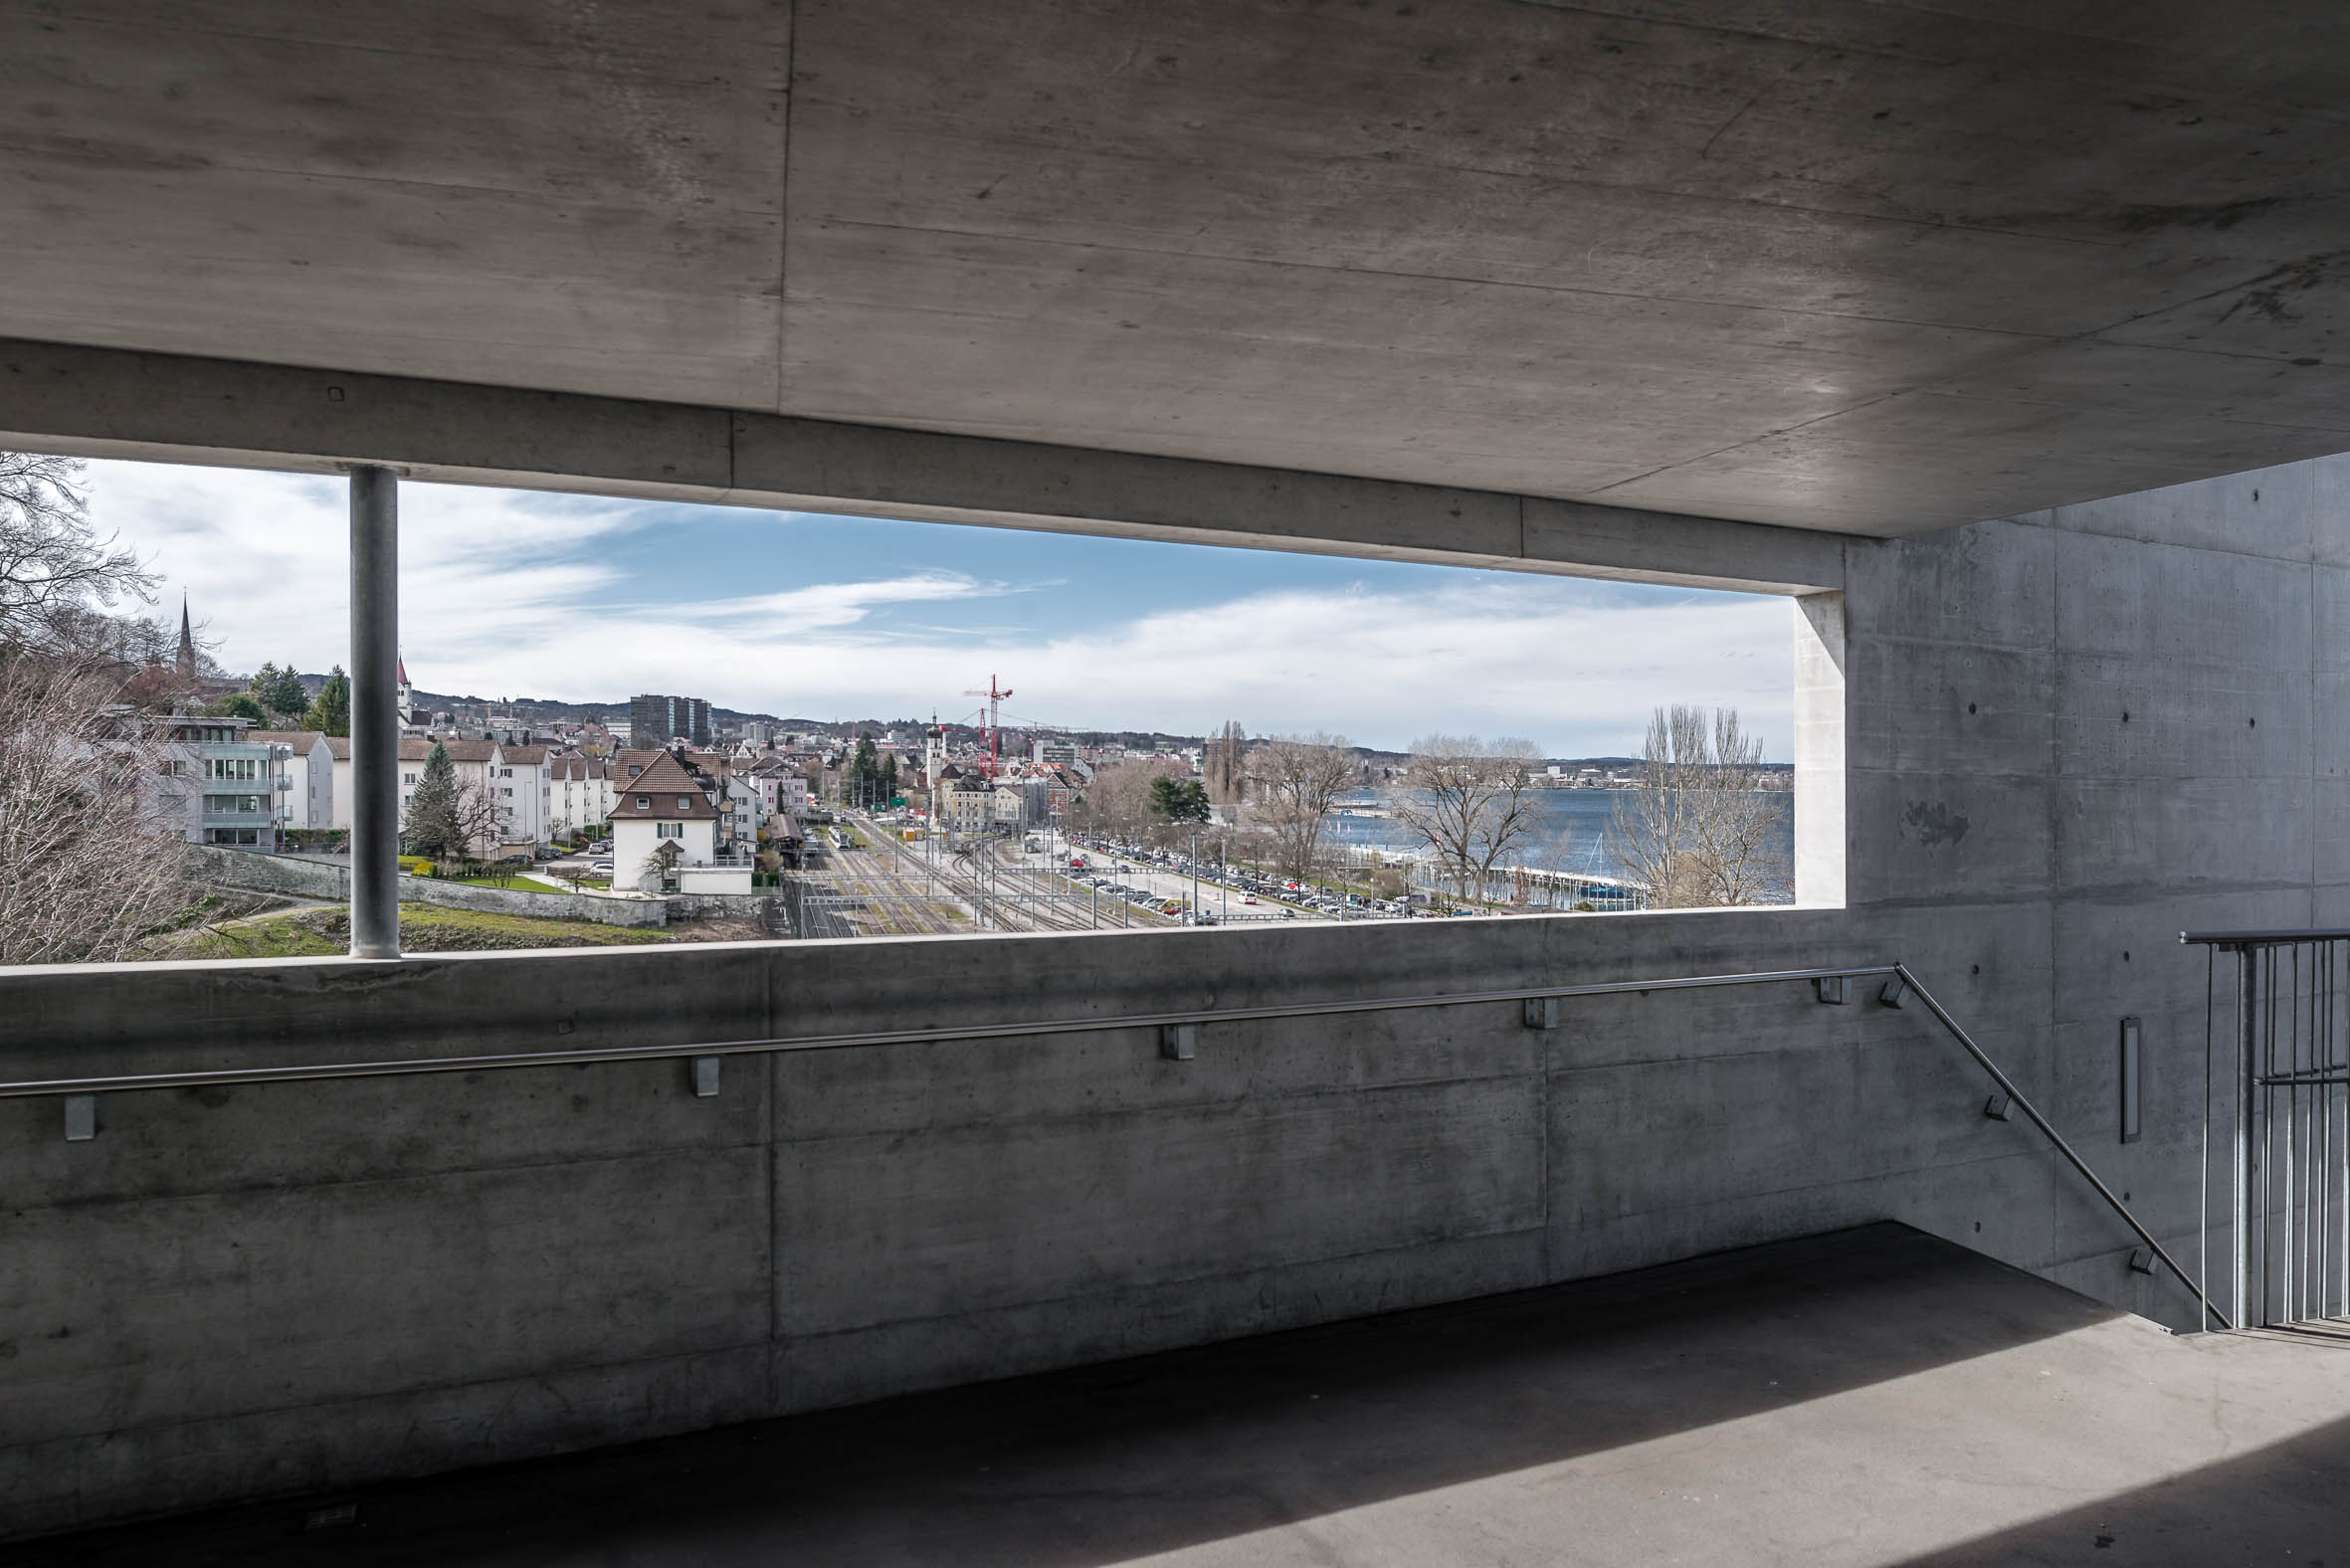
x,y
529,594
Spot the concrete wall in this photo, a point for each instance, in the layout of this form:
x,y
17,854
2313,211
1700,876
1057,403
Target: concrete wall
x,y
250,869
292,1287
537,905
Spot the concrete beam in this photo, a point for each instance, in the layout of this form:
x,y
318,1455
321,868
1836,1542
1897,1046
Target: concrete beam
x,y
113,403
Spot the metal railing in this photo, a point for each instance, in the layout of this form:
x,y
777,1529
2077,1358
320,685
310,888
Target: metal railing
x,y
1177,1036
2284,1101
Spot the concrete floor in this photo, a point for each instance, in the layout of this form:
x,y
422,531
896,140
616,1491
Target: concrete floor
x,y
1874,1395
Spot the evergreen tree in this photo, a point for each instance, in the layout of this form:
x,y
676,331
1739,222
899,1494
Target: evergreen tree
x,y
888,782
280,691
1175,800
330,714
432,827
865,773
240,704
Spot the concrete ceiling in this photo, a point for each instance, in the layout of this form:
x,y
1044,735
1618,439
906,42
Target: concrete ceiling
x,y
1865,266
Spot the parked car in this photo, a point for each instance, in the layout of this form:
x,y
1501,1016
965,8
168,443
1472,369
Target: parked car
x,y
599,866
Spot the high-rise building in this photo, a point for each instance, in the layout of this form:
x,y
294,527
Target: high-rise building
x,y
657,720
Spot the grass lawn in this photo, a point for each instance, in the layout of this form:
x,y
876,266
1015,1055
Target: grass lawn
x,y
424,928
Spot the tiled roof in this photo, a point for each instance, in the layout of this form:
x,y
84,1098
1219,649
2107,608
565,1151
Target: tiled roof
x,y
668,795
521,756
339,746
415,748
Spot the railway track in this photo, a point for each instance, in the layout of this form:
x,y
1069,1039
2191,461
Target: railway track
x,y
900,893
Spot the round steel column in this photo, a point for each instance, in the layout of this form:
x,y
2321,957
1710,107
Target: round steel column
x,y
375,716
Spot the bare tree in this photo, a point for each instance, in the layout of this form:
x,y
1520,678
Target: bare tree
x,y
653,873
1118,801
1470,800
93,818
1738,828
57,575
1551,856
1226,761
1292,782
1652,826
1701,827
476,812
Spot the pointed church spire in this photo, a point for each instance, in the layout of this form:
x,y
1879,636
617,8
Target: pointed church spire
x,y
187,643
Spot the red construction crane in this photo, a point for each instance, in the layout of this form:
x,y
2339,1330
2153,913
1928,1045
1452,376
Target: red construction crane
x,y
993,697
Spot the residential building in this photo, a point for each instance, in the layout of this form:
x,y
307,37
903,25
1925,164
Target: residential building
x,y
741,812
174,798
338,752
523,786
628,762
657,720
303,780
964,804
781,787
665,835
579,792
471,758
238,775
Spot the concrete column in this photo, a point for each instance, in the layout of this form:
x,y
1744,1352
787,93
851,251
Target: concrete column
x,y
375,718
1820,750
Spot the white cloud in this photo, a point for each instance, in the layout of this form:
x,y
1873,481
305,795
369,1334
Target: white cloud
x,y
821,606
512,593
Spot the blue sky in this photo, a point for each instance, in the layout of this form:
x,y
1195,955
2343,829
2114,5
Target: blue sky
x,y
514,593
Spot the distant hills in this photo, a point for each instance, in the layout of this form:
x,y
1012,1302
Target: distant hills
x,y
549,709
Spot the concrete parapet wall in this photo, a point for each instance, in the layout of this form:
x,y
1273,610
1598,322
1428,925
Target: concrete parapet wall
x,y
258,1290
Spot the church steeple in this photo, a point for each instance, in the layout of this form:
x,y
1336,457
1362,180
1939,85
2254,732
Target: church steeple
x,y
187,643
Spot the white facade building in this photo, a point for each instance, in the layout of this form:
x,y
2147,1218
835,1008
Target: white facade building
x,y
579,792
303,781
519,782
662,824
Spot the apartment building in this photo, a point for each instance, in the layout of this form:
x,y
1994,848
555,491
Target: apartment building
x,y
657,720
236,774
521,784
580,792
302,777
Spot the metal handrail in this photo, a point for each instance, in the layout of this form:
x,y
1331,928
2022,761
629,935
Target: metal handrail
x,y
2263,938
1898,973
892,1037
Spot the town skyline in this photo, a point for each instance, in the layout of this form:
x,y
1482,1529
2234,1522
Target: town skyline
x,y
584,600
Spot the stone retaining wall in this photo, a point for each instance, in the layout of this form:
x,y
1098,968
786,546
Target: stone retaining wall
x,y
319,879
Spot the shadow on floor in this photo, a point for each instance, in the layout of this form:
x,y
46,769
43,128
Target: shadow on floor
x,y
1110,1463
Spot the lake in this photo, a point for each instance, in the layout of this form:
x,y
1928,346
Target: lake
x,y
1577,817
